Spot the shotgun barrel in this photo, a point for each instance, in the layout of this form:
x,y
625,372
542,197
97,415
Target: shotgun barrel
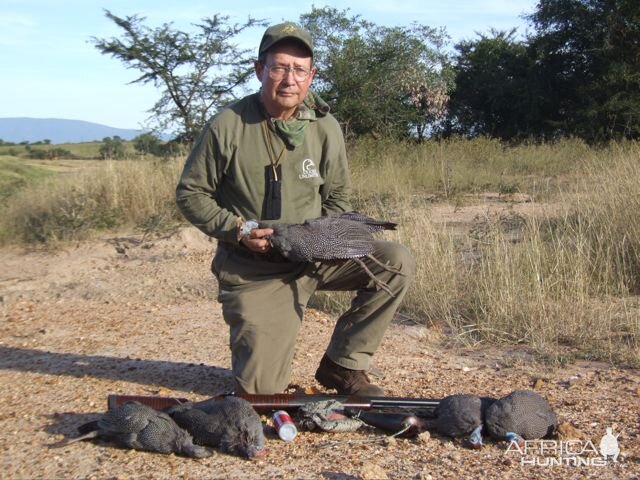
x,y
284,401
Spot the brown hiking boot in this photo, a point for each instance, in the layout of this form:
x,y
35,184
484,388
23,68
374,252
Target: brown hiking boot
x,y
346,381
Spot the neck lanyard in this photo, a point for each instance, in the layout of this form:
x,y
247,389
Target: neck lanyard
x,y
272,156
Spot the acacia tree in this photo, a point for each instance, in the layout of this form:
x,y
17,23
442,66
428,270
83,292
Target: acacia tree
x,y
196,72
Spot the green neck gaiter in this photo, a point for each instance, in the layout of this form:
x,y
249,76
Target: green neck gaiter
x,y
292,130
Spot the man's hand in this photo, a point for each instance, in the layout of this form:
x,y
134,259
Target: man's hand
x,y
255,240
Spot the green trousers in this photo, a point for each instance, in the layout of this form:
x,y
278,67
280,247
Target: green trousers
x,y
263,303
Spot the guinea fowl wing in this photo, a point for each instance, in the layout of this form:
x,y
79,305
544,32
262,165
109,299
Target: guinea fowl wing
x,y
325,238
131,417
347,237
341,239
371,224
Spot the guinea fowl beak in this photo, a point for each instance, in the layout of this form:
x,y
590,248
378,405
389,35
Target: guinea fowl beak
x,y
256,454
515,438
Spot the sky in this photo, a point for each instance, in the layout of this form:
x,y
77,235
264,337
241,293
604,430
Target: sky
x,y
49,68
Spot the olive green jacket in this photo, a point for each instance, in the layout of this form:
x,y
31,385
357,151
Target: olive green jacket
x,y
224,175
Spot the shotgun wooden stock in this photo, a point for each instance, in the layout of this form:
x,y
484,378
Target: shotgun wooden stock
x,y
284,401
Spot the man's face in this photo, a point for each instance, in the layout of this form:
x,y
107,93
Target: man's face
x,y
282,96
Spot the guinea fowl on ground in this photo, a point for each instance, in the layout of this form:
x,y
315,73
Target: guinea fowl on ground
x,y
459,415
230,424
521,415
140,427
344,237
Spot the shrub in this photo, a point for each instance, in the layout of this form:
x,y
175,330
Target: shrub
x,y
49,154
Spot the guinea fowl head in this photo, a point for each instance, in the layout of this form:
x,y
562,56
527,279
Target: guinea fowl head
x,y
475,439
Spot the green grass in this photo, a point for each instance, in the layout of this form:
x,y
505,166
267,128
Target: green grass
x,y
15,175
84,150
64,165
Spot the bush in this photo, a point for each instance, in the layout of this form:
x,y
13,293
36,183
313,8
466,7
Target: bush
x,y
148,144
72,217
112,148
49,154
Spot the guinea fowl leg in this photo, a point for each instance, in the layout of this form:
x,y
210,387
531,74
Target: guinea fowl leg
x,y
378,282
388,268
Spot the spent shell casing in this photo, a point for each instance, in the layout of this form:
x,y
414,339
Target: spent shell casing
x,y
284,425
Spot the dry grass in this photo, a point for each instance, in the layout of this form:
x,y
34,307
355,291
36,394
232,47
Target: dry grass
x,y
565,284
117,194
450,168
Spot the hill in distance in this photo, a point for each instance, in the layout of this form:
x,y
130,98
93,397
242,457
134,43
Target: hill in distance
x,y
58,130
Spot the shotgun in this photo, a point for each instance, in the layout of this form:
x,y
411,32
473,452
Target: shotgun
x,y
291,401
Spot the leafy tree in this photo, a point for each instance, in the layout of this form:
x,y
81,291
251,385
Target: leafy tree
x,y
496,93
579,75
148,143
590,54
196,72
112,148
377,78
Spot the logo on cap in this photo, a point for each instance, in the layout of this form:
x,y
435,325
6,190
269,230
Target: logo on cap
x,y
288,29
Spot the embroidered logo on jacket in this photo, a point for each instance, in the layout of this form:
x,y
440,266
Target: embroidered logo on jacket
x,y
308,169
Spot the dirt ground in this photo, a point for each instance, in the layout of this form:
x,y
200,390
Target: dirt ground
x,y
123,315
